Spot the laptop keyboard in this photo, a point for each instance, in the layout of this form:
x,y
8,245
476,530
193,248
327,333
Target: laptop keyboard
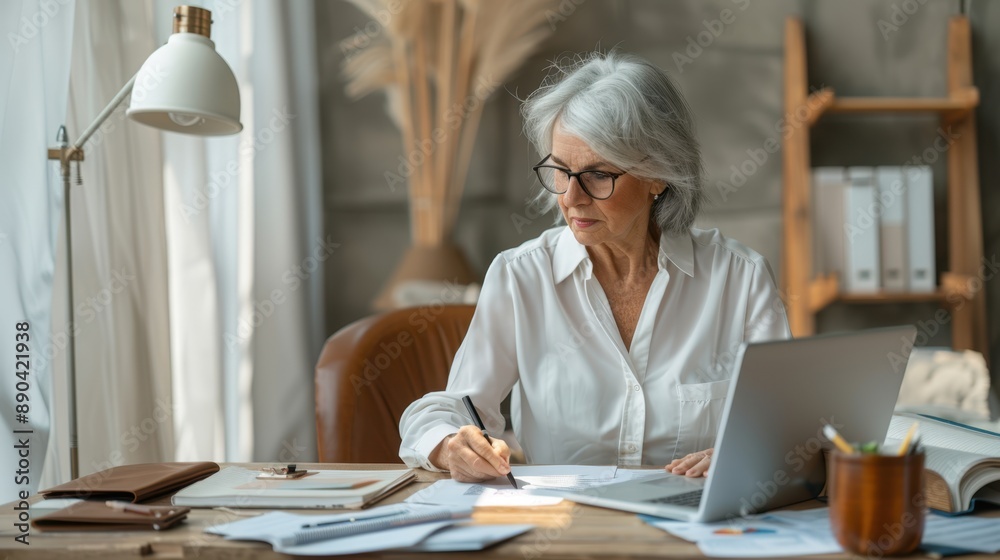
x,y
690,499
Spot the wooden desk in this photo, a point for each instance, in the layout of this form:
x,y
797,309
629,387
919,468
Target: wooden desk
x,y
574,531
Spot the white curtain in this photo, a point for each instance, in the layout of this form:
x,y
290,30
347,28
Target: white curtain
x,y
198,263
244,222
34,80
124,404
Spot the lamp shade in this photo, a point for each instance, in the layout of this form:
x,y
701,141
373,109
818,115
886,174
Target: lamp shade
x,y
185,86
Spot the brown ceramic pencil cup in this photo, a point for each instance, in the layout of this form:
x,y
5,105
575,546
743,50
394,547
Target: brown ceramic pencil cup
x,y
877,502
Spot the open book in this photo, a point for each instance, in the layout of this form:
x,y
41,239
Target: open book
x,y
239,487
962,462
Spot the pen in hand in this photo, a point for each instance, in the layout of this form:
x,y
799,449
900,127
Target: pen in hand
x,y
482,428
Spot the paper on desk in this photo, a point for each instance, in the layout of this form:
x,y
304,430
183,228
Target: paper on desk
x,y
538,485
562,477
468,537
488,494
400,537
439,536
976,534
274,524
788,533
435,536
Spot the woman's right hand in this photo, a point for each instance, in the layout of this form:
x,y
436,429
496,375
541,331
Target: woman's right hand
x,y
470,457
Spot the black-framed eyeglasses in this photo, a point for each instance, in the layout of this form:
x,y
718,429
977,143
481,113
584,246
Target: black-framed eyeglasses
x,y
599,185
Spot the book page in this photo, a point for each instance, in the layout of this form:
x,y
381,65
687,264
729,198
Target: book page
x,y
952,451
940,434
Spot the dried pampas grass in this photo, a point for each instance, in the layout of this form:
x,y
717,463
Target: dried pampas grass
x,y
429,57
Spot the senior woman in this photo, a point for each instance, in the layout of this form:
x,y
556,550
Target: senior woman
x,y
616,331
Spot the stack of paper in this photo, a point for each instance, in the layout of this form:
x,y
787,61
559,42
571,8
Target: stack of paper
x,y
279,528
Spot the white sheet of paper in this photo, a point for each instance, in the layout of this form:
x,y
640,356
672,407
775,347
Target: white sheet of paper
x,y
788,533
562,477
436,536
468,537
461,494
400,537
967,532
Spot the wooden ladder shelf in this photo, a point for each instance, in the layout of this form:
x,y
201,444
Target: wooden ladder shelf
x,y
961,286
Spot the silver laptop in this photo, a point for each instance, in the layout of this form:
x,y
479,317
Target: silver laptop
x,y
768,452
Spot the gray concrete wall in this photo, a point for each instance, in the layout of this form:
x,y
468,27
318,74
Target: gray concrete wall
x,y
735,87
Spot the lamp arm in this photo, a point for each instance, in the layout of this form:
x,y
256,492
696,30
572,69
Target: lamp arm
x,y
115,102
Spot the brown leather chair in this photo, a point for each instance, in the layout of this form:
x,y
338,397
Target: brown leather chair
x,y
372,369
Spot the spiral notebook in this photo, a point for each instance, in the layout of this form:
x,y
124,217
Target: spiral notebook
x,y
348,489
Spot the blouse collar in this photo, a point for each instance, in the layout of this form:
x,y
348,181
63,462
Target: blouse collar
x,y
570,254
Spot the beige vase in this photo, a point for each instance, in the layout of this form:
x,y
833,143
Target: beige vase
x,y
441,263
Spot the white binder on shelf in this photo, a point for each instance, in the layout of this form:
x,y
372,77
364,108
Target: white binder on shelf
x,y
861,229
892,228
828,216
920,228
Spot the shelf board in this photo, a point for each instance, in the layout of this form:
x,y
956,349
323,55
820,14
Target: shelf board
x,y
959,103
894,297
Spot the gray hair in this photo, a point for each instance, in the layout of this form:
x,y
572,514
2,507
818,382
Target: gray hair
x,y
631,114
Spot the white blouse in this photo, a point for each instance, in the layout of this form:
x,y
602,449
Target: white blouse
x,y
544,330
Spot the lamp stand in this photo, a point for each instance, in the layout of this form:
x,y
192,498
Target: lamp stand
x,y
66,154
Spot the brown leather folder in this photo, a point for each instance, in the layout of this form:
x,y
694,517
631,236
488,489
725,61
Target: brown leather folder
x,y
98,516
133,483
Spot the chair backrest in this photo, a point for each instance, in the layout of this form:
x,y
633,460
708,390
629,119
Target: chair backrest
x,y
372,369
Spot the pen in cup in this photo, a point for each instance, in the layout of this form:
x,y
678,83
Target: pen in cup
x,y
482,428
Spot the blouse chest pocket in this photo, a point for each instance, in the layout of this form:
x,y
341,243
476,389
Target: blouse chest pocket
x,y
699,408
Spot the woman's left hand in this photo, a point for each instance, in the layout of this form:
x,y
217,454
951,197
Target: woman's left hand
x,y
692,464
